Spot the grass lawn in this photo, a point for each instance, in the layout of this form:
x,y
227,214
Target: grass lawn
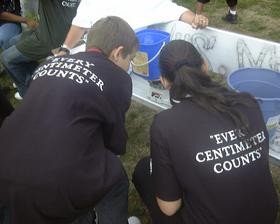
x,y
259,18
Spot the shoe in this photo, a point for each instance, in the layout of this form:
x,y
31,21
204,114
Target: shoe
x,y
14,85
18,96
230,18
133,220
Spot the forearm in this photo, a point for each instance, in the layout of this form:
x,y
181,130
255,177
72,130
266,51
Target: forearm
x,y
74,36
169,208
187,17
195,20
10,17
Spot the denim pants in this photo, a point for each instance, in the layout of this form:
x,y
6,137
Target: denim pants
x,y
112,209
7,32
19,67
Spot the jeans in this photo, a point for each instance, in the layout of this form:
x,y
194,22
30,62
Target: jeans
x,y
19,67
142,181
112,209
7,32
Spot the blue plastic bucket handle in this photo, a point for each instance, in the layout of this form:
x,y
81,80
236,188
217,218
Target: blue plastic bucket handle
x,y
151,41
152,59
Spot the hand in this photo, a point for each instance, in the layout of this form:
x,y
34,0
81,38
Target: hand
x,y
31,23
199,21
60,53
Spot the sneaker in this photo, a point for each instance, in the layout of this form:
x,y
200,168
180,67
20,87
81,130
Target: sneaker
x,y
18,96
133,220
230,18
14,85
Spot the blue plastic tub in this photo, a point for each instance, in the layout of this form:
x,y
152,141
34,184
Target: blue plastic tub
x,y
151,42
264,84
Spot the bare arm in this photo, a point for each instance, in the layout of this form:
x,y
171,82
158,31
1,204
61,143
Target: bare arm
x,y
10,17
73,37
196,20
169,208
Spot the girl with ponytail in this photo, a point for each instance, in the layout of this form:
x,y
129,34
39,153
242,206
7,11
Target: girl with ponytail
x,y
209,152
185,71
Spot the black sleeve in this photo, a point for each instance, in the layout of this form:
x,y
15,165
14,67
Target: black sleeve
x,y
115,134
164,179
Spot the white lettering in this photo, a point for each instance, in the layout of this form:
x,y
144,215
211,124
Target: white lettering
x,y
52,72
245,144
93,77
208,155
100,84
62,74
216,168
67,66
218,139
198,159
77,68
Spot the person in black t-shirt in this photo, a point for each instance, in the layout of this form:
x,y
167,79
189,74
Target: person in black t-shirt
x,y
68,132
209,152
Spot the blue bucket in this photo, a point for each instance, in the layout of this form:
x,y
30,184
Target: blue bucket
x,y
145,62
264,84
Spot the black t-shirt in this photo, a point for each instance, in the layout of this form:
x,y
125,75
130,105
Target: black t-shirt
x,y
55,20
221,175
12,6
58,148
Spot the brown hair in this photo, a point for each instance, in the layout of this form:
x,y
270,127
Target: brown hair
x,y
111,32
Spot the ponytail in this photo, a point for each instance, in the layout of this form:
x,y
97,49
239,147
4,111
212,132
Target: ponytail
x,y
181,64
202,90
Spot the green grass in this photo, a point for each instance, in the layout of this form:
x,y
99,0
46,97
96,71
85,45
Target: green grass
x,y
259,18
138,123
